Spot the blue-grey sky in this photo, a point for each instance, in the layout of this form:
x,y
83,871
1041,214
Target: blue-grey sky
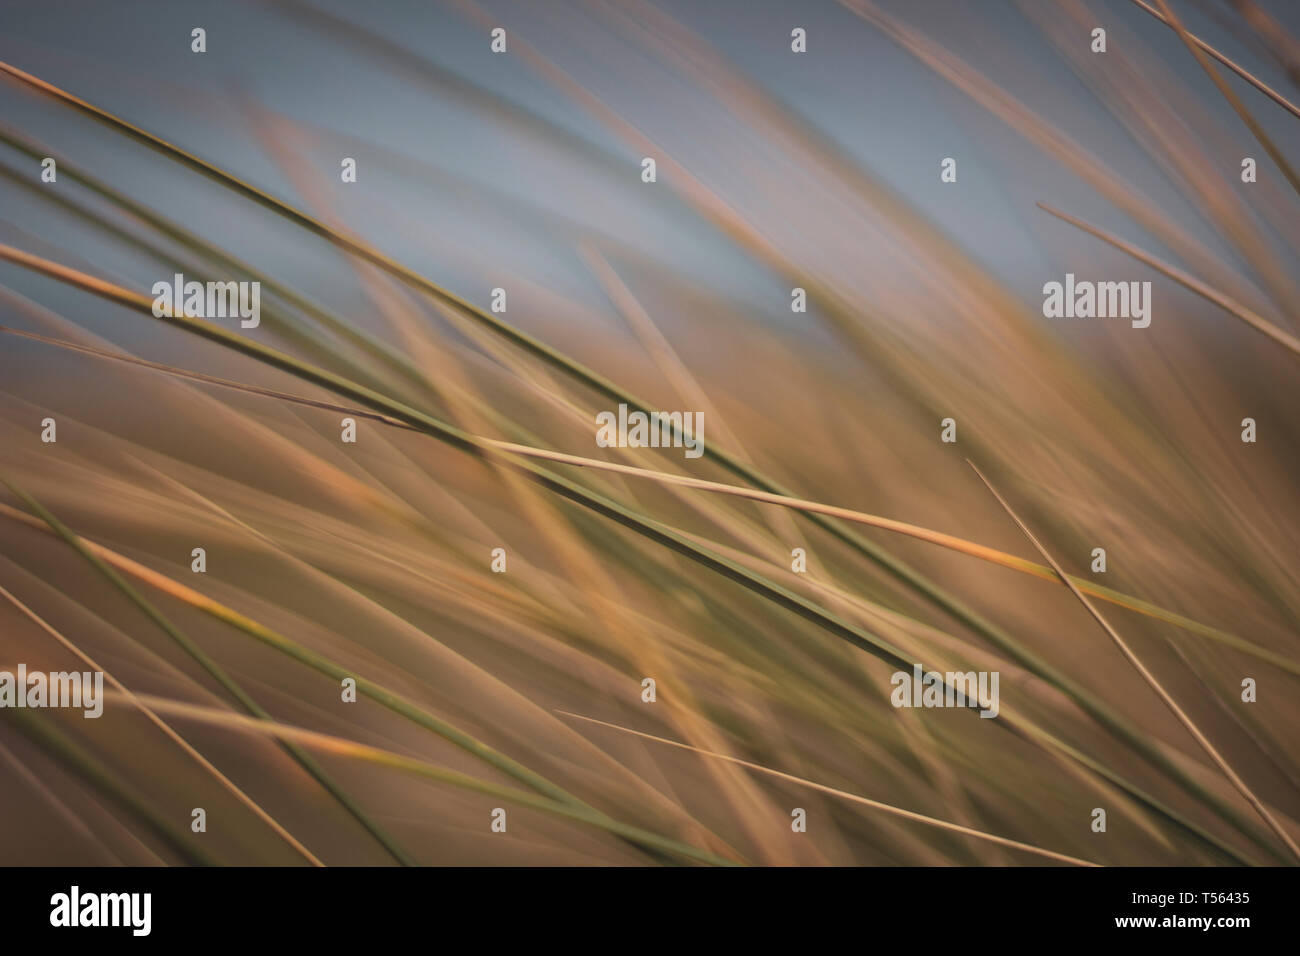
x,y
466,194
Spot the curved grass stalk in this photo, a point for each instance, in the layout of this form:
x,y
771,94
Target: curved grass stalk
x,y
212,667
951,542
579,372
851,797
42,729
386,758
275,319
1241,71
1229,305
1198,51
949,603
1147,676
317,662
171,734
661,534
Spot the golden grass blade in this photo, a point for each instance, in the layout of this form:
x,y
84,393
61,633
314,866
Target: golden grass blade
x,y
847,319
732,225
281,321
668,537
19,770
951,542
1147,676
41,728
355,750
176,738
1075,155
397,704
372,690
1230,95
208,664
1241,71
206,379
845,795
1281,45
716,211
395,530
1251,318
673,368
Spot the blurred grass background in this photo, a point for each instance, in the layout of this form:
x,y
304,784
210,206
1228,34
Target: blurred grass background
x,y
523,171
